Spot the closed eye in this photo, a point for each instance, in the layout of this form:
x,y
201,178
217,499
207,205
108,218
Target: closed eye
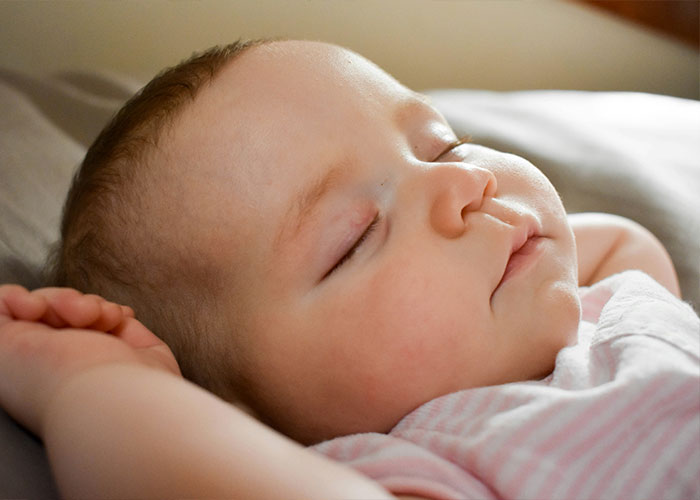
x,y
356,246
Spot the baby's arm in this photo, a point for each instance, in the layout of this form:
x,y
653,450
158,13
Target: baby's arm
x,y
118,420
607,244
130,432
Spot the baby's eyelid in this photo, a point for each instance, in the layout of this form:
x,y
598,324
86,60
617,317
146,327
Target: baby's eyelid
x,y
356,245
454,144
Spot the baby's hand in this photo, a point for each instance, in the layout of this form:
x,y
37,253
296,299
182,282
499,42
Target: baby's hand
x,y
60,308
51,334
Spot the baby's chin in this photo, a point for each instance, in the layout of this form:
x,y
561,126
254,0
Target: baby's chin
x,y
565,324
310,433
329,420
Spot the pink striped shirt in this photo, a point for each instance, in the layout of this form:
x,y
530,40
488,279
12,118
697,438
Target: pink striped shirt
x,y
618,418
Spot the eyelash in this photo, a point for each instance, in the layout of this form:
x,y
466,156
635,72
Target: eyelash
x,y
453,145
351,252
375,222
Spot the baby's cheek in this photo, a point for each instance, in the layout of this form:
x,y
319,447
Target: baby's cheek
x,y
398,312
415,341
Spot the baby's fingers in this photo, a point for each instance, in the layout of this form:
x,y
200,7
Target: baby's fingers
x,y
128,311
69,307
17,302
61,307
111,315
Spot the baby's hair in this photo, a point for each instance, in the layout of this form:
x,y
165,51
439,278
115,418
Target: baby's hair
x,y
110,247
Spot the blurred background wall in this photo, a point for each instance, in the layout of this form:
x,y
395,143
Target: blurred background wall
x,y
489,44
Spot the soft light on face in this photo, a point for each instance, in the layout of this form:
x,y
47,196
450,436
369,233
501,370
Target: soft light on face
x,y
383,264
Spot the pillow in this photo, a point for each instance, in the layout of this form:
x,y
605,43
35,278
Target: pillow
x,y
45,126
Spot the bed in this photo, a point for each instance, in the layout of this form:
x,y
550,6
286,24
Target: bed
x,y
633,154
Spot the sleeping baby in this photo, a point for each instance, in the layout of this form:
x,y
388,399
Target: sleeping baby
x,y
307,241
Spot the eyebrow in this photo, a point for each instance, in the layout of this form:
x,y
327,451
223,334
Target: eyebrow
x,y
304,203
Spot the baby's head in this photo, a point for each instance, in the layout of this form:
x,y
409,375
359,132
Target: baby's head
x,y
312,239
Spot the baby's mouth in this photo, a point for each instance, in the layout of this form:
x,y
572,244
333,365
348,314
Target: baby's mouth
x,y
518,257
525,248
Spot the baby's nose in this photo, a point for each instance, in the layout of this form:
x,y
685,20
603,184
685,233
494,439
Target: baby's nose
x,y
456,190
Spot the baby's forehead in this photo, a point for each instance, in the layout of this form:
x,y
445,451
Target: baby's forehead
x,y
302,71
280,88
266,110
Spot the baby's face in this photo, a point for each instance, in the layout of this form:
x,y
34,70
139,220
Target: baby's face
x,y
372,264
